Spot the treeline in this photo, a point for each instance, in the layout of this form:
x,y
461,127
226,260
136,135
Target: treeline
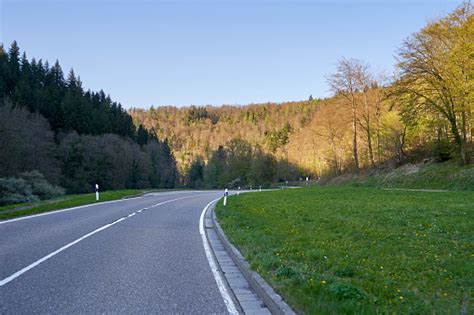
x,y
199,131
423,112
75,138
239,164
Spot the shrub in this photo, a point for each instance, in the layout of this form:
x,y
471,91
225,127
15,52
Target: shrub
x,y
30,187
442,150
346,291
15,190
40,186
285,272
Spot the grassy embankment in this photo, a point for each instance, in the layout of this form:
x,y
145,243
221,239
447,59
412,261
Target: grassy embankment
x,y
68,201
359,250
444,176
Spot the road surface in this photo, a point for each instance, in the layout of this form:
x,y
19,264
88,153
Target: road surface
x,y
141,255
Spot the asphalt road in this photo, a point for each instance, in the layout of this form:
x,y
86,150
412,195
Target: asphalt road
x,y
109,258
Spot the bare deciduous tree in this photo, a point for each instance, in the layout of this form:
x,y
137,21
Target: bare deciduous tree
x,y
350,79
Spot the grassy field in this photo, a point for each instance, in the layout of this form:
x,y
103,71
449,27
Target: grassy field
x,y
358,250
17,210
448,176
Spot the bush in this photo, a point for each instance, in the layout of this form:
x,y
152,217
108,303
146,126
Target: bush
x,y
346,291
15,190
40,186
285,272
442,150
30,187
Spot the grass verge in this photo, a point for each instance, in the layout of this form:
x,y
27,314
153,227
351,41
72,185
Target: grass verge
x,y
353,250
17,210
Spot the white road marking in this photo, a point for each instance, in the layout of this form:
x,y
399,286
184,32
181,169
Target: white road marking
x,y
231,308
63,210
39,261
95,204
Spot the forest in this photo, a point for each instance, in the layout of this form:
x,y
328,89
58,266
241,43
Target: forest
x,y
57,137
373,121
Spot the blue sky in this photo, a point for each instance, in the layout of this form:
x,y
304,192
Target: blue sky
x,y
214,52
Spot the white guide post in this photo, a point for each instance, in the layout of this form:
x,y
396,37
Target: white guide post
x,y
238,191
97,192
226,193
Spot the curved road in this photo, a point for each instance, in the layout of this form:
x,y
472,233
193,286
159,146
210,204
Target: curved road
x,y
140,255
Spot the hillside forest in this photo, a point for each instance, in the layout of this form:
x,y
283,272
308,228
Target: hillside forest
x,y
56,133
422,112
55,137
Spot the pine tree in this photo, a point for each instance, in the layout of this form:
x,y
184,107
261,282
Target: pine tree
x,y
3,66
142,135
196,173
24,93
12,73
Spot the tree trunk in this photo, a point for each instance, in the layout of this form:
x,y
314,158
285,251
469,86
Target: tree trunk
x,y
377,117
369,137
354,132
464,136
458,139
369,144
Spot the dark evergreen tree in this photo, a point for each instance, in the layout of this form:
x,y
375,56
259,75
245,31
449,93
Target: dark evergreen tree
x,y
142,135
164,173
195,178
12,69
51,96
3,67
213,173
23,93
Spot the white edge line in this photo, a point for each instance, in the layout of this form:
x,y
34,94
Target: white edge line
x,y
228,301
39,261
90,205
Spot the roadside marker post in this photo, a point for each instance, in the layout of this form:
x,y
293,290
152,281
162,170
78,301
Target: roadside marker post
x,y
97,192
238,191
260,187
226,193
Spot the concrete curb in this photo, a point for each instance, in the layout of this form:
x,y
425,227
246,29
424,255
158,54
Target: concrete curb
x,y
270,298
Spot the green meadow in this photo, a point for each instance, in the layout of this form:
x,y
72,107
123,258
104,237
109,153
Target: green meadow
x,y
359,250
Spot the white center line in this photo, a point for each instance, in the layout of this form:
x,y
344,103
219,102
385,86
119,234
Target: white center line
x,y
39,261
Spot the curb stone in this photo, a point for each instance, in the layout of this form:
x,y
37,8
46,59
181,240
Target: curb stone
x,y
240,291
273,301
